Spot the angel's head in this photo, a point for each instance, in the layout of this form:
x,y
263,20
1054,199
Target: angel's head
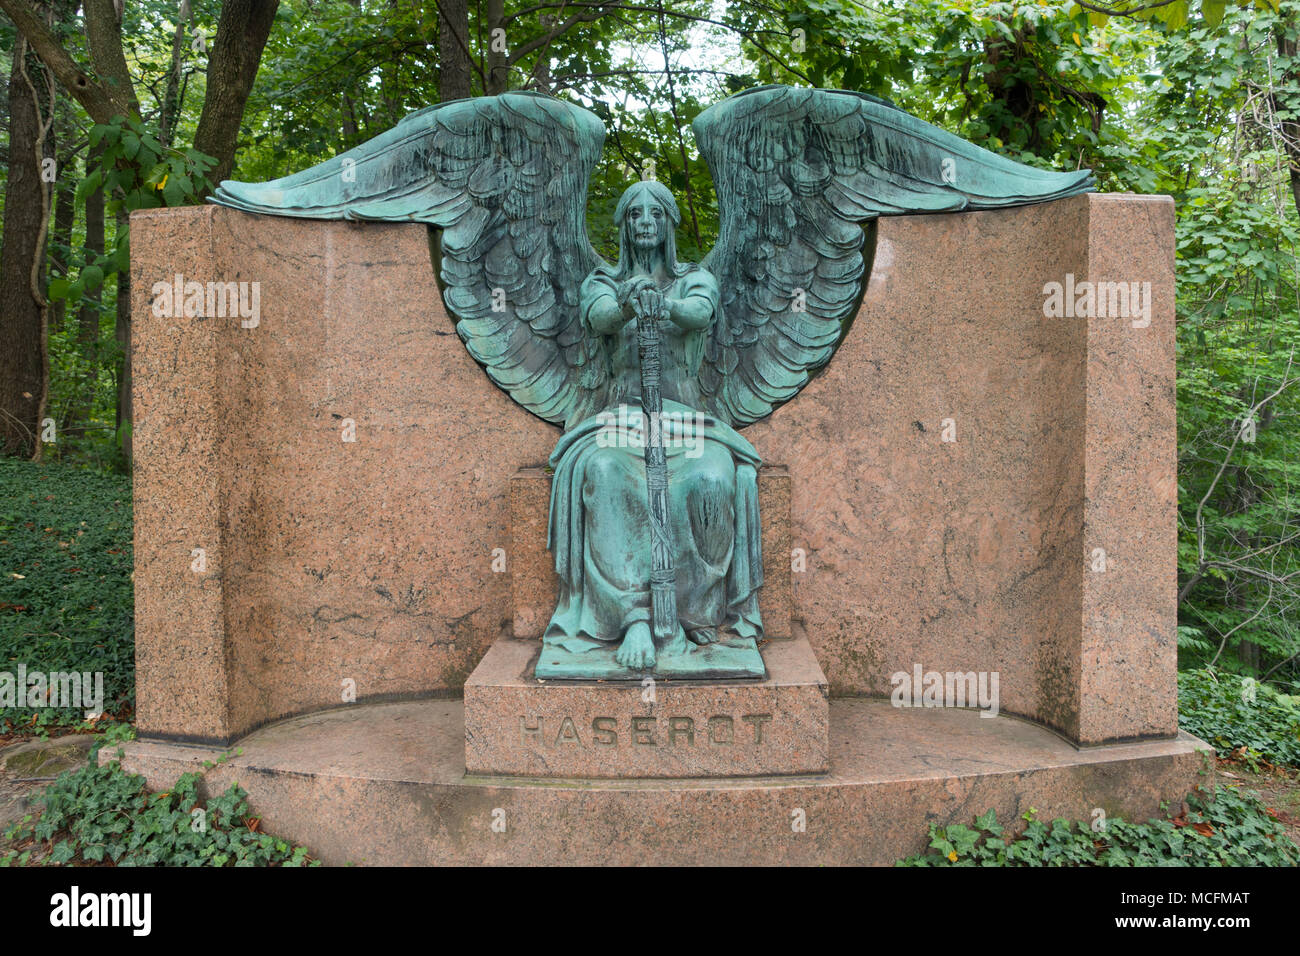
x,y
647,218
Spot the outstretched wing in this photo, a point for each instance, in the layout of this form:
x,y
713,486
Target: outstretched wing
x,y
797,173
505,177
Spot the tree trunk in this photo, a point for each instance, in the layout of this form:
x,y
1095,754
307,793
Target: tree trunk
x,y
104,37
79,409
232,66
61,242
1286,48
498,59
1248,654
171,104
63,191
22,357
453,50
122,330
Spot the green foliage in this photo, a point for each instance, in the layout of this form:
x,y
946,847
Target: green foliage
x,y
1224,828
110,734
1030,80
84,374
1236,247
103,814
335,73
1231,713
66,600
136,172
1216,147
1175,14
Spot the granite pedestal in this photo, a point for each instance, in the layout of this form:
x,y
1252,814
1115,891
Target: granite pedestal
x,y
518,725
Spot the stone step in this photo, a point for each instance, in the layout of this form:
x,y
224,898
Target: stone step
x,y
385,784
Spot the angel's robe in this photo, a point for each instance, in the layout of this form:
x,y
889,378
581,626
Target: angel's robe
x,y
599,528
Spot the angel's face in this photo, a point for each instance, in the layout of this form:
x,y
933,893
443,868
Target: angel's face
x,y
647,223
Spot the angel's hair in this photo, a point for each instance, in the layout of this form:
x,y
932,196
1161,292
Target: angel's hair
x,y
664,197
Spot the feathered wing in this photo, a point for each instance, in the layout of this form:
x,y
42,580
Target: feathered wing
x,y
505,177
798,171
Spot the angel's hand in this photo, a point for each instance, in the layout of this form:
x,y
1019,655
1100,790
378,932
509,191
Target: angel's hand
x,y
651,302
628,288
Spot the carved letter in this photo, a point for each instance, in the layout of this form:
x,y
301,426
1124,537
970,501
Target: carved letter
x,y
643,731
604,731
681,726
567,734
757,721
535,731
721,730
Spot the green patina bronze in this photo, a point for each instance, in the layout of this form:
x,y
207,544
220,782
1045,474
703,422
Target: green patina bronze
x,y
650,365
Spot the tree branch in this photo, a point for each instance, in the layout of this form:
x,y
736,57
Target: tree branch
x,y
97,100
547,38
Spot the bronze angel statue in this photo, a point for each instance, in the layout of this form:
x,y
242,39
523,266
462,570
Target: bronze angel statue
x,y
652,365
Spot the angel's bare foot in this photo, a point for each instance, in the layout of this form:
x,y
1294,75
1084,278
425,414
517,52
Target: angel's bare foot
x,y
704,635
637,652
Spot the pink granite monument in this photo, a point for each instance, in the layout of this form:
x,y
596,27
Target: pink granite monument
x,y
338,568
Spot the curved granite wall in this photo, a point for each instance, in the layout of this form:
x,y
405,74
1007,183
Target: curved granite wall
x,y
334,569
